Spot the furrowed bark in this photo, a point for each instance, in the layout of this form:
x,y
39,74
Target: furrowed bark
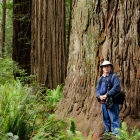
x,y
101,30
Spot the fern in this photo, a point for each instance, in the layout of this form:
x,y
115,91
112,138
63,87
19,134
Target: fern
x,y
124,134
72,134
16,109
72,126
53,96
6,70
52,129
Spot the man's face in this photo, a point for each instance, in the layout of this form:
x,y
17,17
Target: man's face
x,y
106,69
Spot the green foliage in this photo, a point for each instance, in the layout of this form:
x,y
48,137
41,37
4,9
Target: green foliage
x,y
76,136
109,136
53,96
21,111
124,135
72,134
52,129
19,107
15,114
72,126
56,130
6,70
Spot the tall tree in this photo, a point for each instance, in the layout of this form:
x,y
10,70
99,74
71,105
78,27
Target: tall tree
x,y
102,29
22,33
48,49
3,26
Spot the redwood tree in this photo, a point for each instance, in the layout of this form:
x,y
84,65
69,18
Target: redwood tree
x,y
3,26
22,33
102,30
48,48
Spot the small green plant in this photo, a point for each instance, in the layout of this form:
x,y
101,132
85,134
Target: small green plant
x,y
125,135
72,126
53,96
72,134
56,130
52,130
109,136
6,70
76,136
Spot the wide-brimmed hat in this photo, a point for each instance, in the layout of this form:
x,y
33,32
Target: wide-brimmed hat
x,y
106,63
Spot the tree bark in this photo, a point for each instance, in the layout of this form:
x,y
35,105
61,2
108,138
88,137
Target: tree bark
x,y
48,50
3,26
101,30
22,33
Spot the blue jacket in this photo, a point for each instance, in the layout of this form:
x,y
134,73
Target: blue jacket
x,y
104,88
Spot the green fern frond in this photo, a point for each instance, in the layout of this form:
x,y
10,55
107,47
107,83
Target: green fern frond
x,y
72,126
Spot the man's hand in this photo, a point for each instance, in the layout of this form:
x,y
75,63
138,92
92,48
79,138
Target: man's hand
x,y
103,97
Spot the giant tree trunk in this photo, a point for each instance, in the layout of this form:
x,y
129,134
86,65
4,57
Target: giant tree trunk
x,y
110,30
22,33
3,28
48,52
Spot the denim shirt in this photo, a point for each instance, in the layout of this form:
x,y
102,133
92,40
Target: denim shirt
x,y
102,86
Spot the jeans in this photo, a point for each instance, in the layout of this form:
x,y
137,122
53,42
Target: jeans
x,y
111,118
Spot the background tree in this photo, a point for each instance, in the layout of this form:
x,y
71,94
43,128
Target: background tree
x,y
3,26
22,33
8,28
101,30
48,50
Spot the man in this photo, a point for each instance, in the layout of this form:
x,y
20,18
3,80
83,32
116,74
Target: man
x,y
108,85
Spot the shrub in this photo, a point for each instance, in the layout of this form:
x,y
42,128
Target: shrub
x,y
52,129
14,109
53,96
124,135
